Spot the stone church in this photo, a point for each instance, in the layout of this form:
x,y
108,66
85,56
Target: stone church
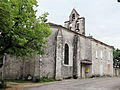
x,y
71,54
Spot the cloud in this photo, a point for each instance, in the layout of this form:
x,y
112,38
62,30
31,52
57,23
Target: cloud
x,y
102,16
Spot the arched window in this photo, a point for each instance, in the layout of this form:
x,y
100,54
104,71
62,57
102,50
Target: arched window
x,y
73,16
77,26
66,54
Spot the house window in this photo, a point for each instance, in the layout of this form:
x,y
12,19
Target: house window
x,y
108,55
66,54
101,54
96,54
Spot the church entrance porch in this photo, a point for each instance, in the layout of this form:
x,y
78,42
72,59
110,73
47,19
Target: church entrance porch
x,y
86,66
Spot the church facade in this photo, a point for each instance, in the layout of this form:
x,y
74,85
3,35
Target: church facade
x,y
71,54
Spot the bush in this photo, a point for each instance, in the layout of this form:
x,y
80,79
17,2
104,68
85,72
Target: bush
x,y
43,79
0,76
36,78
1,61
3,84
46,79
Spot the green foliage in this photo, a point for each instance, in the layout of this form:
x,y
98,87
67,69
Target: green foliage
x,y
36,78
116,58
21,33
116,53
18,81
45,79
3,84
0,76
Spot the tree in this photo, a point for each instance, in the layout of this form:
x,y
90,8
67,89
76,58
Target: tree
x,y
21,32
116,58
118,0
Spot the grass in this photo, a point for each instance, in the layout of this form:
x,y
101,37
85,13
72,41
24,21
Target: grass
x,y
47,80
18,81
41,80
19,84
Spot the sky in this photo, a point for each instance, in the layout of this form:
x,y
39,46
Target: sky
x,y
102,17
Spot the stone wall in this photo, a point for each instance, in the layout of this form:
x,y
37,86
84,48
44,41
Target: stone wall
x,y
82,48
88,49
12,67
67,70
17,67
102,63
46,67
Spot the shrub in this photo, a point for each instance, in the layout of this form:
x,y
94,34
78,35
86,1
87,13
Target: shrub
x,y
3,84
43,79
46,79
36,78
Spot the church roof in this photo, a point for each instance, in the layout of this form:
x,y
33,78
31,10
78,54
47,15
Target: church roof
x,y
52,24
75,11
